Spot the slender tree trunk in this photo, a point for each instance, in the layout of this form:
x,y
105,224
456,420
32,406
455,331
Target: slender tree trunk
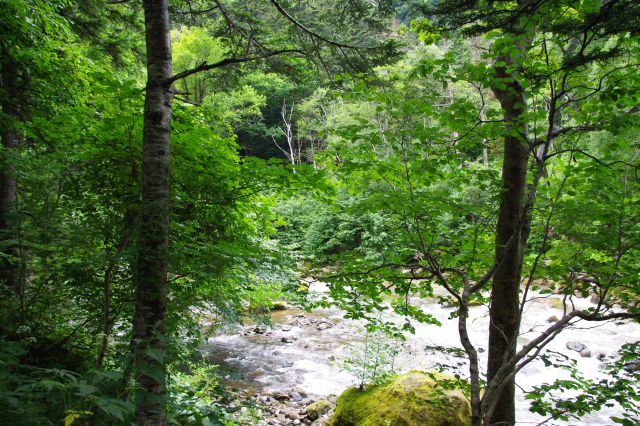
x,y
9,254
151,281
107,321
129,227
504,312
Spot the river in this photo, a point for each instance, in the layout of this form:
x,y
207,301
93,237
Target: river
x,y
302,350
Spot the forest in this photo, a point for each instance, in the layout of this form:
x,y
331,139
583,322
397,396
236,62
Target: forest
x,y
304,212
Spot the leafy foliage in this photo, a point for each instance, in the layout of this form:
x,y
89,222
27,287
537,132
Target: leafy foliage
x,y
371,362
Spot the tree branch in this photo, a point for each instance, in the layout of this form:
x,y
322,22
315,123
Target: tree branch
x,y
225,62
313,34
561,131
596,159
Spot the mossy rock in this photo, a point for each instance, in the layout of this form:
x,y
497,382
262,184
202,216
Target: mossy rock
x,y
318,408
412,399
556,303
279,305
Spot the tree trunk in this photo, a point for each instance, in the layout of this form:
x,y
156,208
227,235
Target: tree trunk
x,y
151,274
9,255
504,312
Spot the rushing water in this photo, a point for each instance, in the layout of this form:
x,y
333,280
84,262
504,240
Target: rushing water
x,y
302,350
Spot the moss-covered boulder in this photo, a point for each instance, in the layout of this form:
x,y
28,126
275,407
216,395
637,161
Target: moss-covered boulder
x,y
279,305
412,399
318,408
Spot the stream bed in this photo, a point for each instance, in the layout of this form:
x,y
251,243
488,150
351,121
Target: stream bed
x,y
300,352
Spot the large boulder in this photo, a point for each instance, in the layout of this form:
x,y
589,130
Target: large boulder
x,y
412,399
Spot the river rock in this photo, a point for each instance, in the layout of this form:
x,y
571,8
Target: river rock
x,y
279,305
595,299
324,326
576,346
301,392
281,396
286,328
318,408
286,340
296,396
291,415
585,353
582,277
412,399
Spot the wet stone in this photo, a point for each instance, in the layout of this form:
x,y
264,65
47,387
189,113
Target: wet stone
x,y
281,396
576,346
324,326
301,392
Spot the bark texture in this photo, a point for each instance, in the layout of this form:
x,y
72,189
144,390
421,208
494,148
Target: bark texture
x,y
9,265
505,307
151,281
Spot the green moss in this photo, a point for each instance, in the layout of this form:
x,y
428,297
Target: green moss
x,y
279,305
556,303
318,408
412,399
